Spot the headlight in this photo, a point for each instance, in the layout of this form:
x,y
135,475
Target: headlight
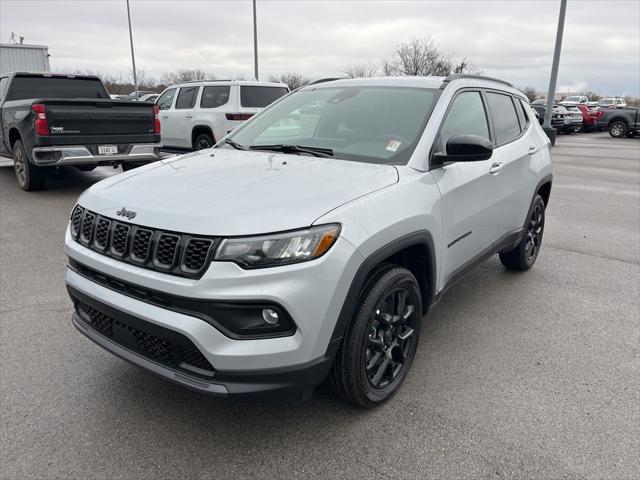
x,y
279,248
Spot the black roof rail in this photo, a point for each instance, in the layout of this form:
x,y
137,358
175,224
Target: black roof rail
x,y
328,79
469,75
205,80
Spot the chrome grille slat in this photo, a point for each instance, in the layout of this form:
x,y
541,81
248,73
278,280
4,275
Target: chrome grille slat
x,y
164,251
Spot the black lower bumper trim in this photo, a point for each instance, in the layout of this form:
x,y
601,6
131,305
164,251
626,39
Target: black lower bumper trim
x,y
276,382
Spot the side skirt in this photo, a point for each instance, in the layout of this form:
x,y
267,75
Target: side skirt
x,y
505,243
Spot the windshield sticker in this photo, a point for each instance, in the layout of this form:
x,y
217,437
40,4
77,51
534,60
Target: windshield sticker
x,y
393,145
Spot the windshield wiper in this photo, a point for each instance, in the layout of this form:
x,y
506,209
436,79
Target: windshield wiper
x,y
234,144
315,151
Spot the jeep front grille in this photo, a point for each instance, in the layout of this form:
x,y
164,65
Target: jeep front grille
x,y
175,253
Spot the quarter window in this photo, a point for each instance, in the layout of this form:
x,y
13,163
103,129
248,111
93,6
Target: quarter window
x,y
259,97
522,115
466,117
186,98
504,116
215,96
166,99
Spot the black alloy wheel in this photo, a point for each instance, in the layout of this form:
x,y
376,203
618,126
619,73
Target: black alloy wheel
x,y
380,343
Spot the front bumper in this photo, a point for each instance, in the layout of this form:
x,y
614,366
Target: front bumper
x,y
294,380
82,155
312,293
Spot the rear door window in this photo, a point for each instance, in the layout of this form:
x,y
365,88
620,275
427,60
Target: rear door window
x,y
504,116
186,98
215,96
166,99
259,97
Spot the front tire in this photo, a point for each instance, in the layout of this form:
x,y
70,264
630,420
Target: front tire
x,y
30,177
380,343
525,254
618,129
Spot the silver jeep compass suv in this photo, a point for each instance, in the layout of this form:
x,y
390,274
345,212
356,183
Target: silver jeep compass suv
x,y
310,242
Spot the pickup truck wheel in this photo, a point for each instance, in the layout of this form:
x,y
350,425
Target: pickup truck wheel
x,y
30,177
525,254
380,343
203,141
618,129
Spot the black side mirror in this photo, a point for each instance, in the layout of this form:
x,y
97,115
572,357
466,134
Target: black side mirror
x,y
466,148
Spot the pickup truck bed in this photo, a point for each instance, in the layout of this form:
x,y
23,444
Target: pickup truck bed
x,y
62,129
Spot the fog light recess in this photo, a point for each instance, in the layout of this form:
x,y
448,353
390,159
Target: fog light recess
x,y
270,316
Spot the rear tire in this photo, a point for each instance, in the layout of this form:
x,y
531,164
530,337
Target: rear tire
x,y
618,129
378,348
30,177
525,254
203,141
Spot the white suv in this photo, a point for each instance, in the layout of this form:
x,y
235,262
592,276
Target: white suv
x,y
313,239
196,115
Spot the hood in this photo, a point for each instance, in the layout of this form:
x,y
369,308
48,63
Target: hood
x,y
232,192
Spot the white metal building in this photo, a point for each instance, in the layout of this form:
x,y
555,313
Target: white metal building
x,y
24,58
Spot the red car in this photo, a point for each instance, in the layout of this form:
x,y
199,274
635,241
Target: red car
x,y
588,117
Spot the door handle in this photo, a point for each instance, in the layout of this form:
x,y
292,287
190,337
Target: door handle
x,y
532,150
165,116
496,168
188,116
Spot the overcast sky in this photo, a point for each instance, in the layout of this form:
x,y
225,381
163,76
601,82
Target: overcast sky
x,y
507,39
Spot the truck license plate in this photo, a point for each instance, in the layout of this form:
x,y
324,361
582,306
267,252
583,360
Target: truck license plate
x,y
107,149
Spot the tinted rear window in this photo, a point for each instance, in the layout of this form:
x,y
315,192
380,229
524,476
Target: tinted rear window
x,y
186,97
260,97
56,87
215,96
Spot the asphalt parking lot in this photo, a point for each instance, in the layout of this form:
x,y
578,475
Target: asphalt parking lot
x,y
533,375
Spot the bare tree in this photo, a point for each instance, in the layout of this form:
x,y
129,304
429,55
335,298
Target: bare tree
x,y
356,70
530,92
421,56
292,80
184,75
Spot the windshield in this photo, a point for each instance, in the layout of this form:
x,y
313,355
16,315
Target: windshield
x,y
572,99
362,123
607,101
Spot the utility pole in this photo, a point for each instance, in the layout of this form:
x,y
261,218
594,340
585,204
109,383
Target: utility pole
x,y
255,41
551,95
133,57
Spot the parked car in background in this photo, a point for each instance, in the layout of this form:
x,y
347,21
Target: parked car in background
x,y
149,97
539,101
614,102
572,118
575,99
557,118
619,122
50,120
196,115
132,95
589,116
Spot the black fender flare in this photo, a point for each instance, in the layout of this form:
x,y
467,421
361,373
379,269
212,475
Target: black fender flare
x,y
359,282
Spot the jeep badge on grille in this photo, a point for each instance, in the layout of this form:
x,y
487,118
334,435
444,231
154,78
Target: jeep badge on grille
x,y
123,212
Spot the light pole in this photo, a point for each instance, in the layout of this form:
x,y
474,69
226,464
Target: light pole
x,y
255,41
551,95
133,57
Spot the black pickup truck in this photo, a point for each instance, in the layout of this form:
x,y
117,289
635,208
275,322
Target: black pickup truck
x,y
619,122
49,120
